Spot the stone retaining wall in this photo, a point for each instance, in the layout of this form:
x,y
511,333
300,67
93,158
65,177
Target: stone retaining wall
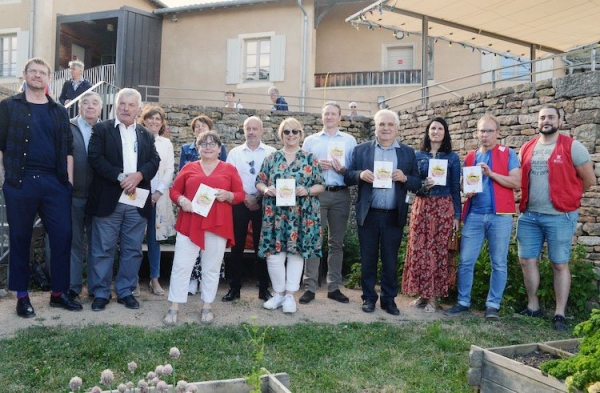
x,y
577,96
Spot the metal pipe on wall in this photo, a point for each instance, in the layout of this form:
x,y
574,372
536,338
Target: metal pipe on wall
x,y
304,56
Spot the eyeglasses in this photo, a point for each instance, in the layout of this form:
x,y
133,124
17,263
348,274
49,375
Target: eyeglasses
x,y
352,107
295,132
252,170
37,72
204,145
487,131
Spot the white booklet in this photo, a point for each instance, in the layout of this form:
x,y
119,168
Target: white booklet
x,y
382,171
203,200
472,179
337,150
137,199
438,170
285,191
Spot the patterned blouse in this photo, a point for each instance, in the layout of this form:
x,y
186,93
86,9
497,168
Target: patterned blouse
x,y
293,229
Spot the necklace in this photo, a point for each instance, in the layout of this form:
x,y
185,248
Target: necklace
x,y
288,152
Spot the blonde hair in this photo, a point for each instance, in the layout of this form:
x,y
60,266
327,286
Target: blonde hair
x,y
291,122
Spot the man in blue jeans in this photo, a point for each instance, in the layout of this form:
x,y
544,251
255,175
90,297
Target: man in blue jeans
x,y
556,171
488,215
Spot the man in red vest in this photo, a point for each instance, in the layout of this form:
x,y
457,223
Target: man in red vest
x,y
556,170
488,215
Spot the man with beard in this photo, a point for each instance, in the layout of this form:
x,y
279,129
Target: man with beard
x,y
555,170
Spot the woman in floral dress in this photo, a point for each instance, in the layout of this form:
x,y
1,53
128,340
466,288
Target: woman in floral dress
x,y
289,232
429,269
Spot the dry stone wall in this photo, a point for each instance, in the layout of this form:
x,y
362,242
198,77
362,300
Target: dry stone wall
x,y
577,97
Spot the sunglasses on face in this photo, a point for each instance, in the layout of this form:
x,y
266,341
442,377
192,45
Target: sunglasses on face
x,y
295,132
252,170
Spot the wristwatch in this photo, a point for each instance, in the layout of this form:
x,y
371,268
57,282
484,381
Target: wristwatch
x,y
121,177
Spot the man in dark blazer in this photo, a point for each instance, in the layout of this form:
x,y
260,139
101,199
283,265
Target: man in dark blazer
x,y
381,212
123,157
75,86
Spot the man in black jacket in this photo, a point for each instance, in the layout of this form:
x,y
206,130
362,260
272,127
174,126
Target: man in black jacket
x,y
76,86
124,161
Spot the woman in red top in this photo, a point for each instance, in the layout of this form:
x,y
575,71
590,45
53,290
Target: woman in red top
x,y
211,234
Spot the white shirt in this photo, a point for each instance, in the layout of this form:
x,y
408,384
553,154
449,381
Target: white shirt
x,y
245,159
129,142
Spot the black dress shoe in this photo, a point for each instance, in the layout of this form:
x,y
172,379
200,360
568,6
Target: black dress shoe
x,y
64,301
129,302
24,308
99,304
307,297
231,295
391,308
73,295
368,305
338,296
264,294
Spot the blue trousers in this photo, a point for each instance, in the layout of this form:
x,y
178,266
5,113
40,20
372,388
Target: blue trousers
x,y
126,227
380,231
51,200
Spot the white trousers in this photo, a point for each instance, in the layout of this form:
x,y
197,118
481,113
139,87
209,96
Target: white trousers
x,y
184,259
281,281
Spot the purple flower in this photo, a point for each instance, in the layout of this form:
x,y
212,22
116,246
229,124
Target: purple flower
x,y
162,387
181,386
150,375
96,389
132,366
129,385
122,388
154,381
192,389
107,377
158,370
174,352
143,386
167,369
75,383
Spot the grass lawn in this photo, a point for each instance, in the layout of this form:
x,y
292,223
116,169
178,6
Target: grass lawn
x,y
350,357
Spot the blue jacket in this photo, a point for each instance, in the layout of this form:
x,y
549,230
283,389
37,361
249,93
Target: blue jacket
x,y
452,186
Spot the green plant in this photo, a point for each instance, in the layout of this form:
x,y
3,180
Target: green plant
x,y
583,369
256,336
515,295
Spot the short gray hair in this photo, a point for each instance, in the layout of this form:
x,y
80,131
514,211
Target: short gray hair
x,y
77,64
89,94
382,112
126,92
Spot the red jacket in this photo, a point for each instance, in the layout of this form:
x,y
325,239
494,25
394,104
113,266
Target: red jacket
x,y
220,218
503,198
566,187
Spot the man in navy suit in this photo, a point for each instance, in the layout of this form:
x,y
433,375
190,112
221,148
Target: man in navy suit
x,y
382,208
124,160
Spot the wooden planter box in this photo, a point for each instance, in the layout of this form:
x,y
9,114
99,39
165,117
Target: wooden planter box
x,y
494,370
271,383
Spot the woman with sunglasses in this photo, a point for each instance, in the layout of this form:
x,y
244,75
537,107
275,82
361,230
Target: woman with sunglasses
x,y
289,232
209,234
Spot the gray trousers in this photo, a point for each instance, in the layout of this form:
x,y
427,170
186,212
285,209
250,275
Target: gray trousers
x,y
335,209
126,227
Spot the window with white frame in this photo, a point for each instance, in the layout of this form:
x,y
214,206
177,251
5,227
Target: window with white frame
x,y
515,69
8,55
255,58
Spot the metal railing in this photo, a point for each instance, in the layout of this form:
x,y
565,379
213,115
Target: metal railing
x,y
368,78
580,60
103,73
107,92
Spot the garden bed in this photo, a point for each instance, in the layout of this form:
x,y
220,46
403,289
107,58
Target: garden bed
x,y
502,369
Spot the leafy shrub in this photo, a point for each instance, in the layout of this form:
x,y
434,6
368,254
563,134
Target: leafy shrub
x,y
583,369
515,295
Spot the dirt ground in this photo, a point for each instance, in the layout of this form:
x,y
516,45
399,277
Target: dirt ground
x,y
247,308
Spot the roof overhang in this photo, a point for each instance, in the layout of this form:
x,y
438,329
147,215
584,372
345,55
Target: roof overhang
x,y
211,6
512,27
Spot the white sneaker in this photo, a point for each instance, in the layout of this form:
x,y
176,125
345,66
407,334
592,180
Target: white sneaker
x,y
275,302
193,287
289,304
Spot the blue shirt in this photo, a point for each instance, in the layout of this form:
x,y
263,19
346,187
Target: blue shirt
x,y
385,198
318,145
280,104
482,203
